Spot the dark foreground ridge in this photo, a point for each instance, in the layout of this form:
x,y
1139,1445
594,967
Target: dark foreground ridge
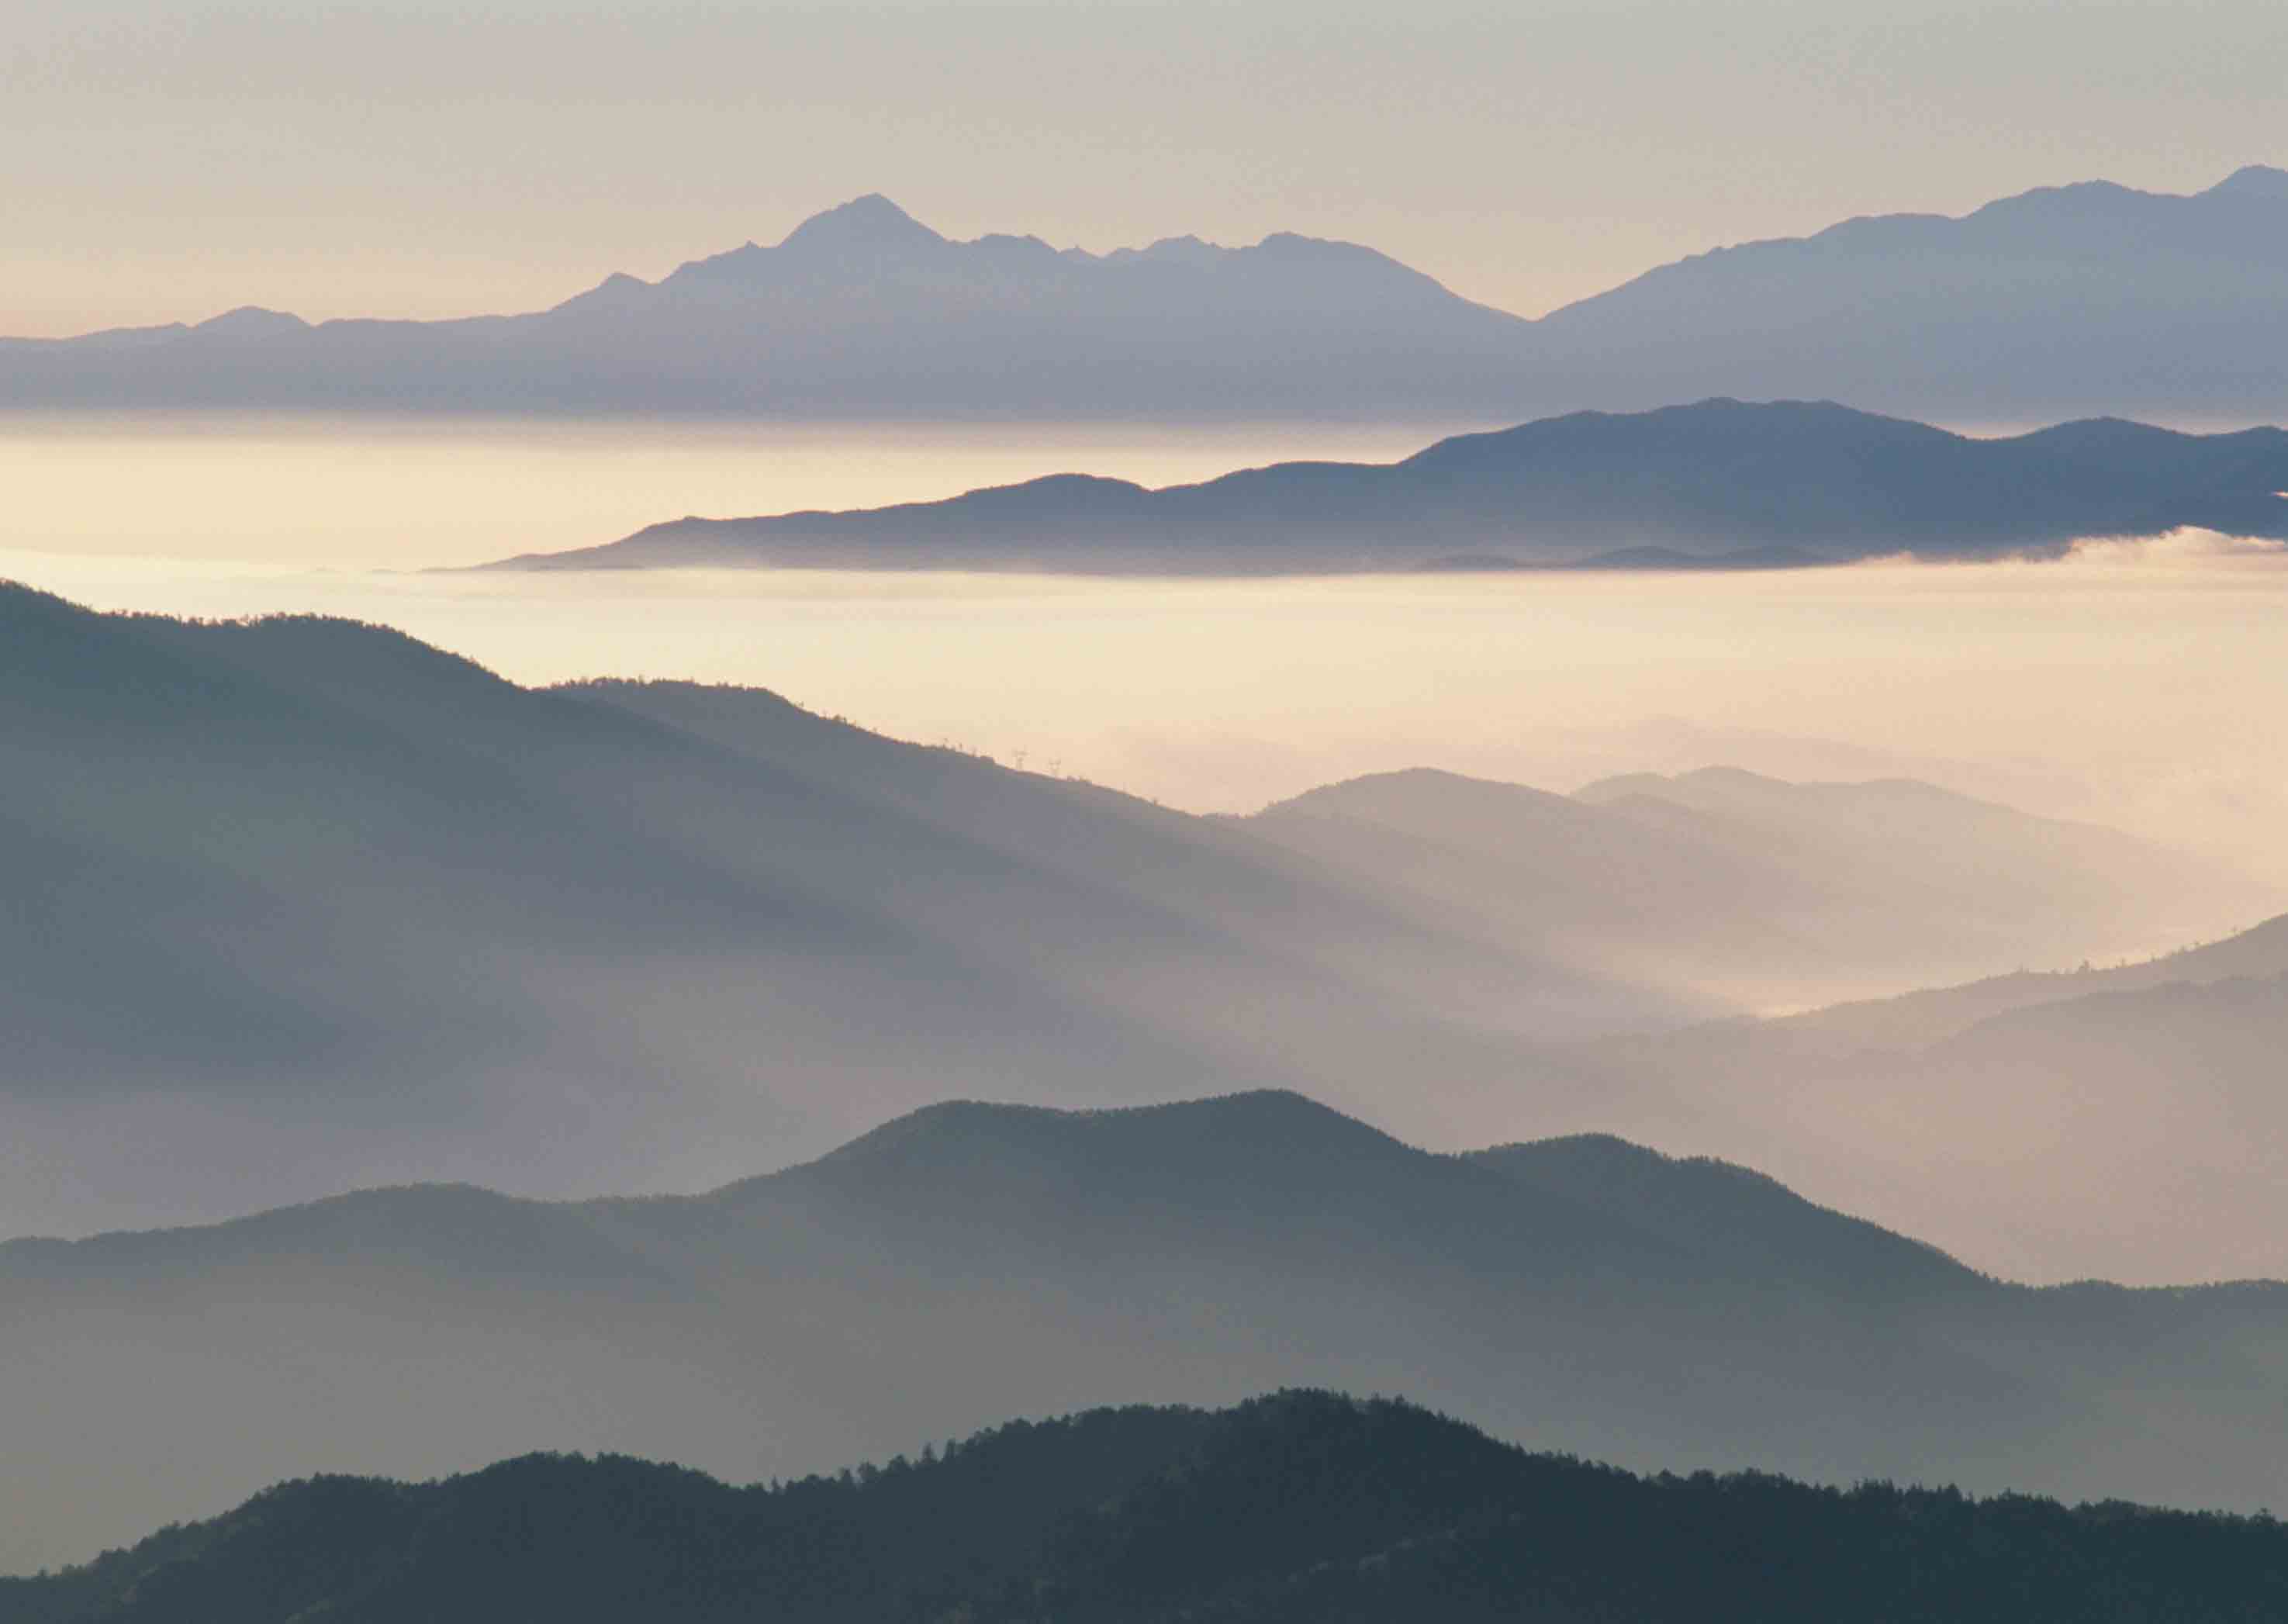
x,y
1305,1506
1721,484
969,1262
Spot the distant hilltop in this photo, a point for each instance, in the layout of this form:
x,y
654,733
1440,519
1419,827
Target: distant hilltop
x,y
1721,484
2061,302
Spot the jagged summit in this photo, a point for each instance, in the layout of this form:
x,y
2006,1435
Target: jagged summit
x,y
1188,250
2060,301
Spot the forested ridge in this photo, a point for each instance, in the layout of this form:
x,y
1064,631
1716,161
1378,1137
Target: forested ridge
x,y
1303,1506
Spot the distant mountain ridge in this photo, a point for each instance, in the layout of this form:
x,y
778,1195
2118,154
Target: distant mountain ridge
x,y
1303,1505
2062,302
1721,483
971,1260
860,311
1726,868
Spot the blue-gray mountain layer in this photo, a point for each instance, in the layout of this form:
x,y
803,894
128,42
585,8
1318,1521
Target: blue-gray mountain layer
x,y
1721,484
309,904
2063,302
970,1262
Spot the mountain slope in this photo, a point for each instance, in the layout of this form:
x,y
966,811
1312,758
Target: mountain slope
x,y
313,904
1782,885
2058,301
1719,483
302,905
2126,1122
1300,1505
971,1260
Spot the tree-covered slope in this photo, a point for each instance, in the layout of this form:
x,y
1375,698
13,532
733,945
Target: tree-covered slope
x,y
1302,1506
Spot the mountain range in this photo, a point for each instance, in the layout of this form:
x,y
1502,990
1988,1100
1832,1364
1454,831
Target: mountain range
x,y
1721,484
1718,483
1300,1506
2061,302
304,905
969,1262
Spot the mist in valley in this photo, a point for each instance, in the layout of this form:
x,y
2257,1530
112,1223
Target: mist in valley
x,y
645,885
2123,685
1258,872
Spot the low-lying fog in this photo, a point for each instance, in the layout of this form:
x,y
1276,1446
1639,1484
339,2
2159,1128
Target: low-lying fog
x,y
2134,685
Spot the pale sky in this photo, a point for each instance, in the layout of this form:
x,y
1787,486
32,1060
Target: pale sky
x,y
168,159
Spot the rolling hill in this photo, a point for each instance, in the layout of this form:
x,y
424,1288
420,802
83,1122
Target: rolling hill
x,y
1302,1505
969,1262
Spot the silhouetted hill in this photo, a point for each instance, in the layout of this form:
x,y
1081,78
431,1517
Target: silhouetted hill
x,y
969,1261
1719,484
1304,1505
2061,302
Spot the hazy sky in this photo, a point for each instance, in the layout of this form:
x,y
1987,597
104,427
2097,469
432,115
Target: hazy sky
x,y
166,159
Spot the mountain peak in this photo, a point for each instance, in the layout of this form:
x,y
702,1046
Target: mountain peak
x,y
968,1150
251,319
2253,180
871,223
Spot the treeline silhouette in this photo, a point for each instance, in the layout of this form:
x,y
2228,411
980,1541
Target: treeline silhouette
x,y
1305,1506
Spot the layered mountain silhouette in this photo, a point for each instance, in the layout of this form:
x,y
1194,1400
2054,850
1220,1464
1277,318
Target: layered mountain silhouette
x,y
862,310
304,905
1721,484
2061,302
972,1260
1769,879
1300,1506
310,901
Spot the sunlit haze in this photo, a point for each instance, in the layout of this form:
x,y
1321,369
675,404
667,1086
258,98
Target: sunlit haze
x,y
409,160
2118,686
1129,810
